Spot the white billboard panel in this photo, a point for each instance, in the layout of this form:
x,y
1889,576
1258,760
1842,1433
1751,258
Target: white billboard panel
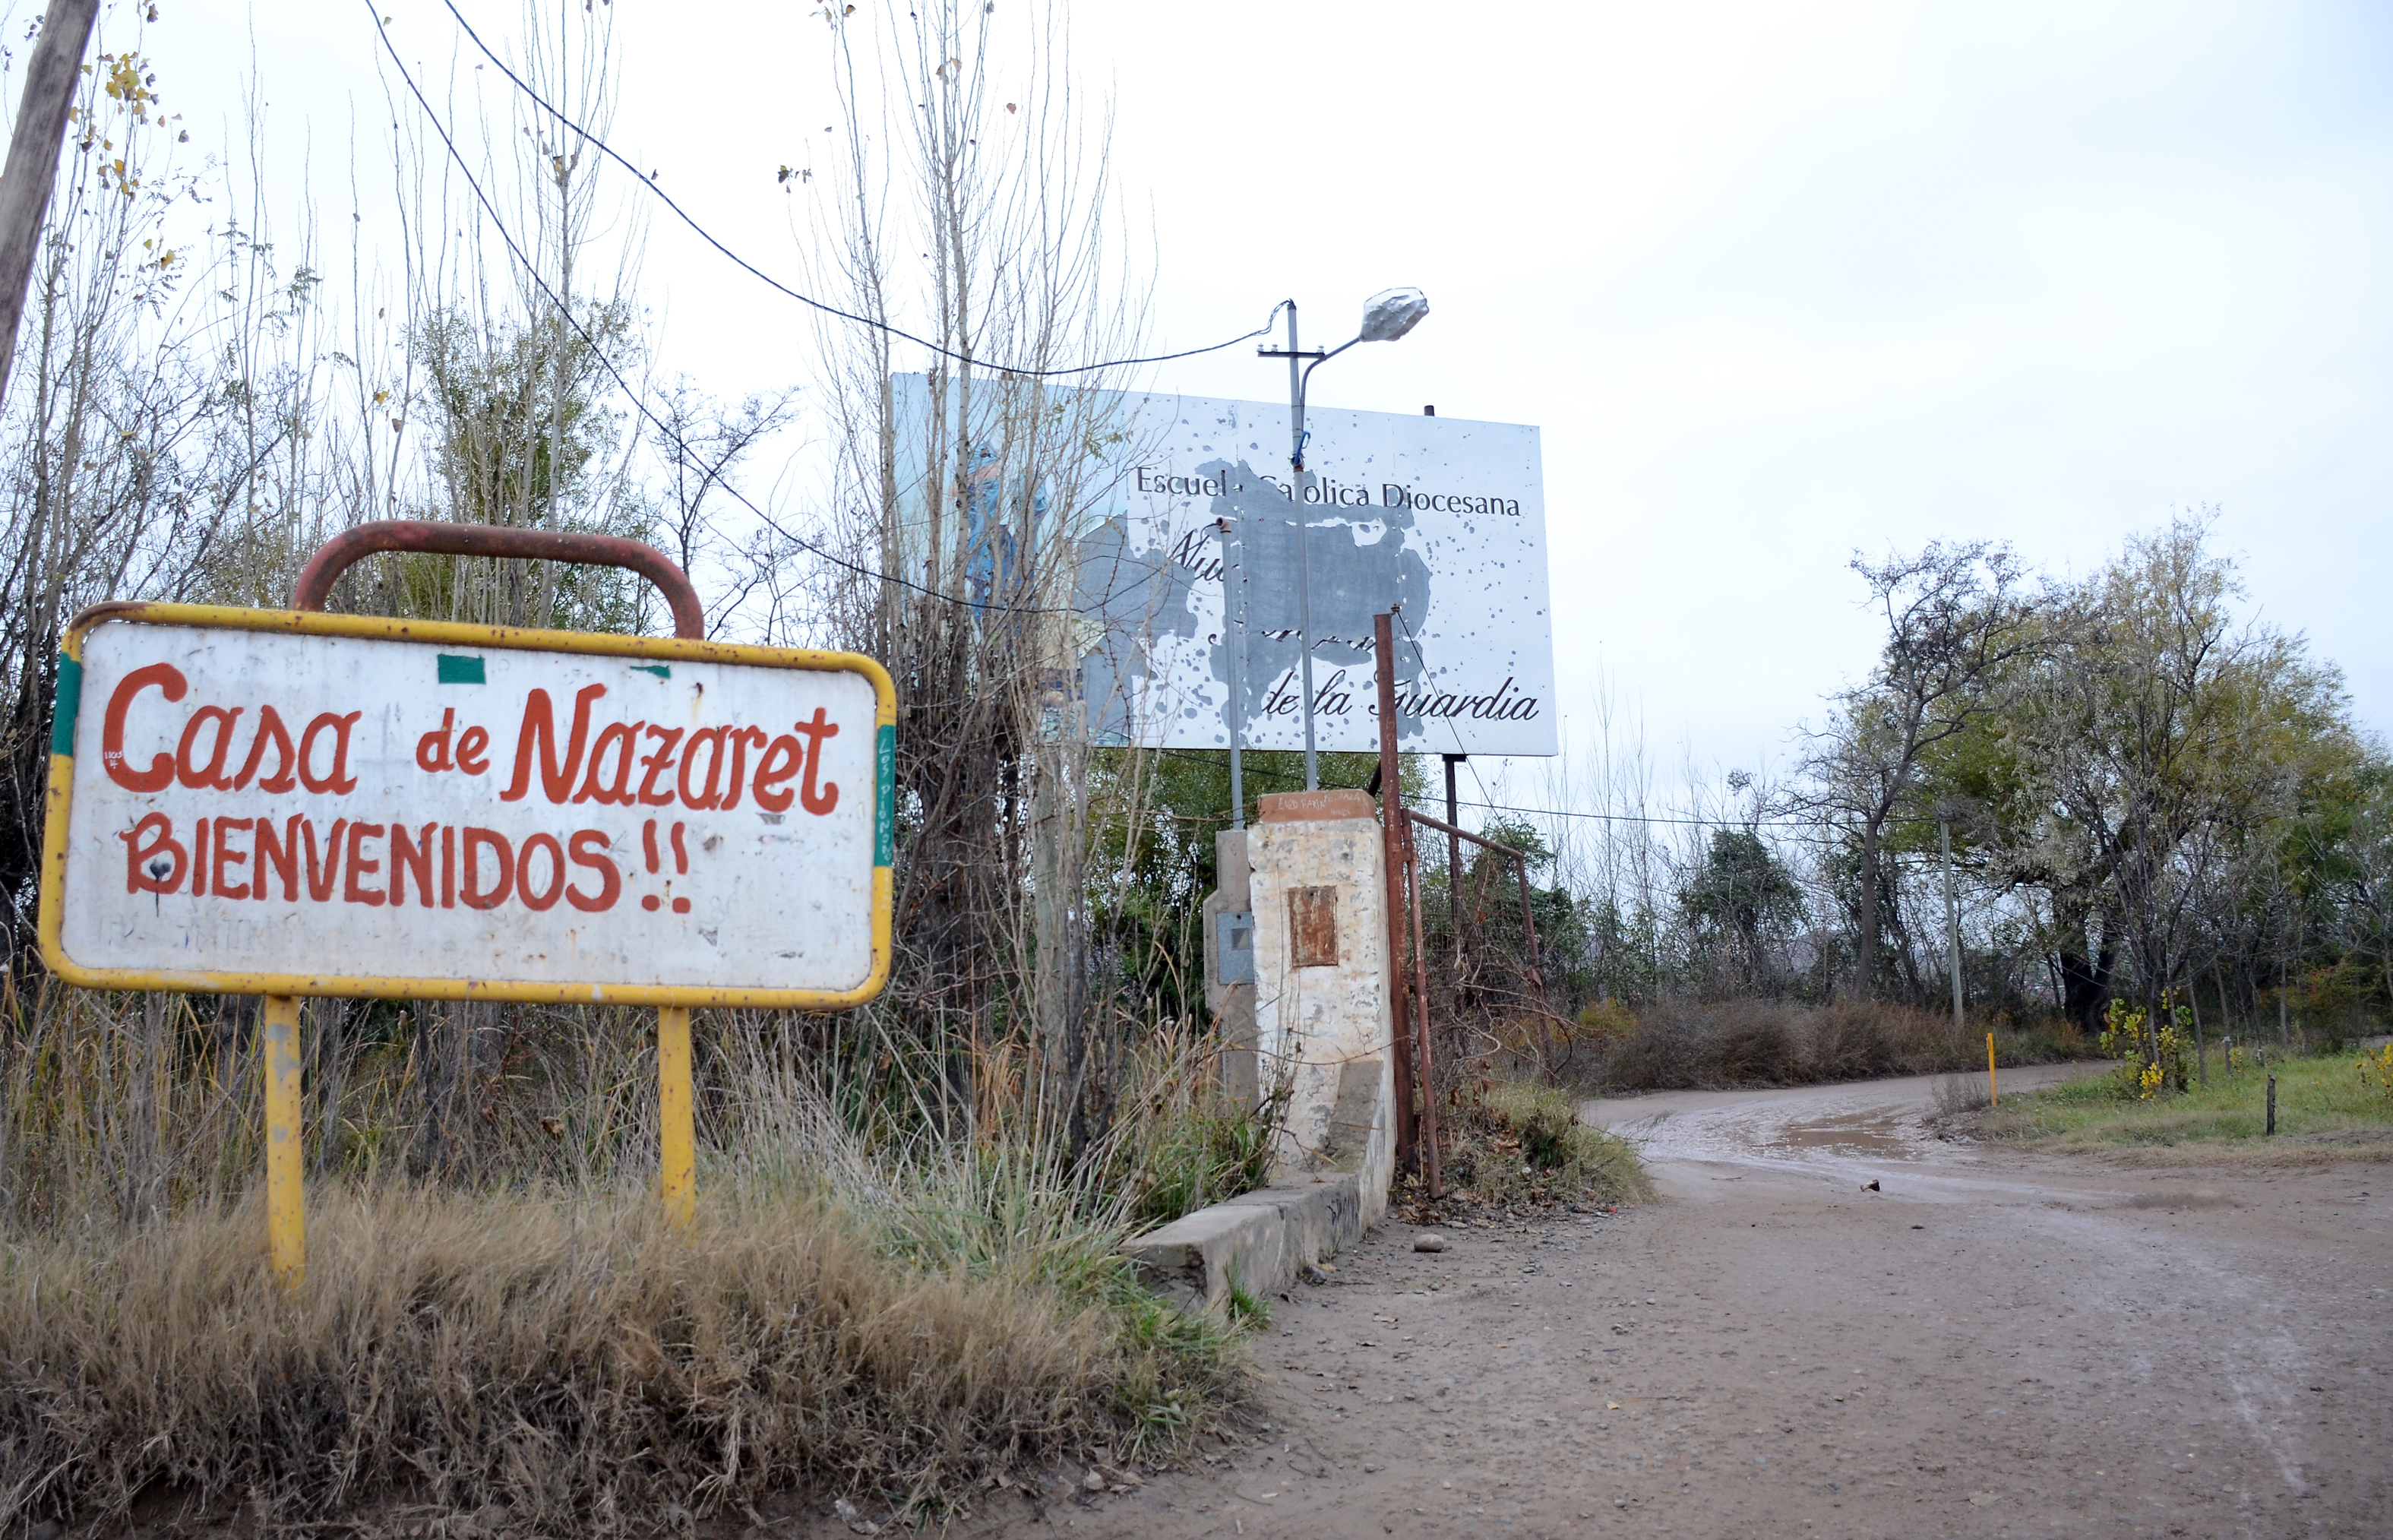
x,y
1440,517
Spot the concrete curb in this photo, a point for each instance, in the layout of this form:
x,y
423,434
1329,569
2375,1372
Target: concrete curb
x,y
1259,1241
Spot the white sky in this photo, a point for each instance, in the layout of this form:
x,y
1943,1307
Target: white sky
x,y
1776,282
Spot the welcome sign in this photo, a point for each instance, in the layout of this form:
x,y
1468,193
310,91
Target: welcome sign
x,y
296,804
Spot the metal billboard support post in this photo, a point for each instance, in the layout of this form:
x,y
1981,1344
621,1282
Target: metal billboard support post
x,y
678,1151
1432,1171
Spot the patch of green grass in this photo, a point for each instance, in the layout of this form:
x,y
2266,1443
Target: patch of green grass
x,y
2323,1111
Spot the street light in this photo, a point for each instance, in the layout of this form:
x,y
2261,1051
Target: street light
x,y
1386,317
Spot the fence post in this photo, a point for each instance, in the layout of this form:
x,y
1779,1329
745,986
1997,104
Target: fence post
x,y
1432,1167
2273,1102
1536,961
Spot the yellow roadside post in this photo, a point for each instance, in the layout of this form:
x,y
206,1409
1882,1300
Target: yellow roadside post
x,y
557,817
286,1214
678,1151
1992,1095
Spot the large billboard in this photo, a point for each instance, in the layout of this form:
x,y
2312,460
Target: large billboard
x,y
1441,518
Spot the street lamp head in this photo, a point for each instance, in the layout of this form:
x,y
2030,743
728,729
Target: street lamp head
x,y
1391,314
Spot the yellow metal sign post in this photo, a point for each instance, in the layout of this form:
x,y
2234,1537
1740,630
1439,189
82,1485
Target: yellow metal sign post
x,y
286,1211
677,1149
296,804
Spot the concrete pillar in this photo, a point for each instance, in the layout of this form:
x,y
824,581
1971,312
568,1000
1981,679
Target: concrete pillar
x,y
1230,967
1322,1020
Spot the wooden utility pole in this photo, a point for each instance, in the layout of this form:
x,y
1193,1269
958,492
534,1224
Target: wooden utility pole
x,y
1952,922
1393,846
1454,857
33,157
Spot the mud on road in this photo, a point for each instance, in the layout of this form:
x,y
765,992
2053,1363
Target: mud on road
x,y
1990,1344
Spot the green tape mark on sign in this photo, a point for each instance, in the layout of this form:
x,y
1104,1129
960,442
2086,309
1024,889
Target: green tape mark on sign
x,y
63,724
461,670
884,811
661,670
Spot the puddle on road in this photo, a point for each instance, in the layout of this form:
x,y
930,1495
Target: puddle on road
x,y
2180,1200
1884,1134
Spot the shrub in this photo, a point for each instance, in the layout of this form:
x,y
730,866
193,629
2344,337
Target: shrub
x,y
1607,1018
2378,1069
887,1292
2153,1063
1677,1042
1516,1142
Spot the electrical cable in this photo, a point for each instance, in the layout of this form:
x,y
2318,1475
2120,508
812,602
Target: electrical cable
x,y
658,423
775,283
1451,730
1560,813
1253,771
638,401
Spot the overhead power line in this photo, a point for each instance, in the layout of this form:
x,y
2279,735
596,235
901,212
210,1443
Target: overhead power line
x,y
775,283
638,401
1256,772
1639,818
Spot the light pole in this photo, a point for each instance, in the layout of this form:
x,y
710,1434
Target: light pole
x,y
1233,637
1386,317
1951,914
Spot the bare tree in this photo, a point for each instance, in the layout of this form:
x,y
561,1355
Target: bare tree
x,y
1954,614
959,497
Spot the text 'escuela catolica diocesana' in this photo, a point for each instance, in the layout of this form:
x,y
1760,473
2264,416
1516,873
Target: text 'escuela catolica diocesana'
x,y
1329,492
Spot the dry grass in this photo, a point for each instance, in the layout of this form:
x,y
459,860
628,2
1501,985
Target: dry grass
x,y
578,1367
1672,1044
884,1296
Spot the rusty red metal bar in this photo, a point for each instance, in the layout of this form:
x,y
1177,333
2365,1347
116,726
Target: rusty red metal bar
x,y
1528,916
1433,1163
1479,840
337,555
1392,845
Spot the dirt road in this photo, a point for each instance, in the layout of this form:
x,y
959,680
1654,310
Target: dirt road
x,y
1989,1344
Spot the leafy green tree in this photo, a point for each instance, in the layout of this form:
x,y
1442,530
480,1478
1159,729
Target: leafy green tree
x,y
2155,769
1742,905
522,438
1153,817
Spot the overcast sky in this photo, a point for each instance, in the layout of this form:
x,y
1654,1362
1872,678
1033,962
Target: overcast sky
x,y
1776,282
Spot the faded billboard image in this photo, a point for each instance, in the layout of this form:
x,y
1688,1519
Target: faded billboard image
x,y
1439,519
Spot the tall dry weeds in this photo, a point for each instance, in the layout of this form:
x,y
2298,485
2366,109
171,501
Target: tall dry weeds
x,y
870,1303
578,1366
